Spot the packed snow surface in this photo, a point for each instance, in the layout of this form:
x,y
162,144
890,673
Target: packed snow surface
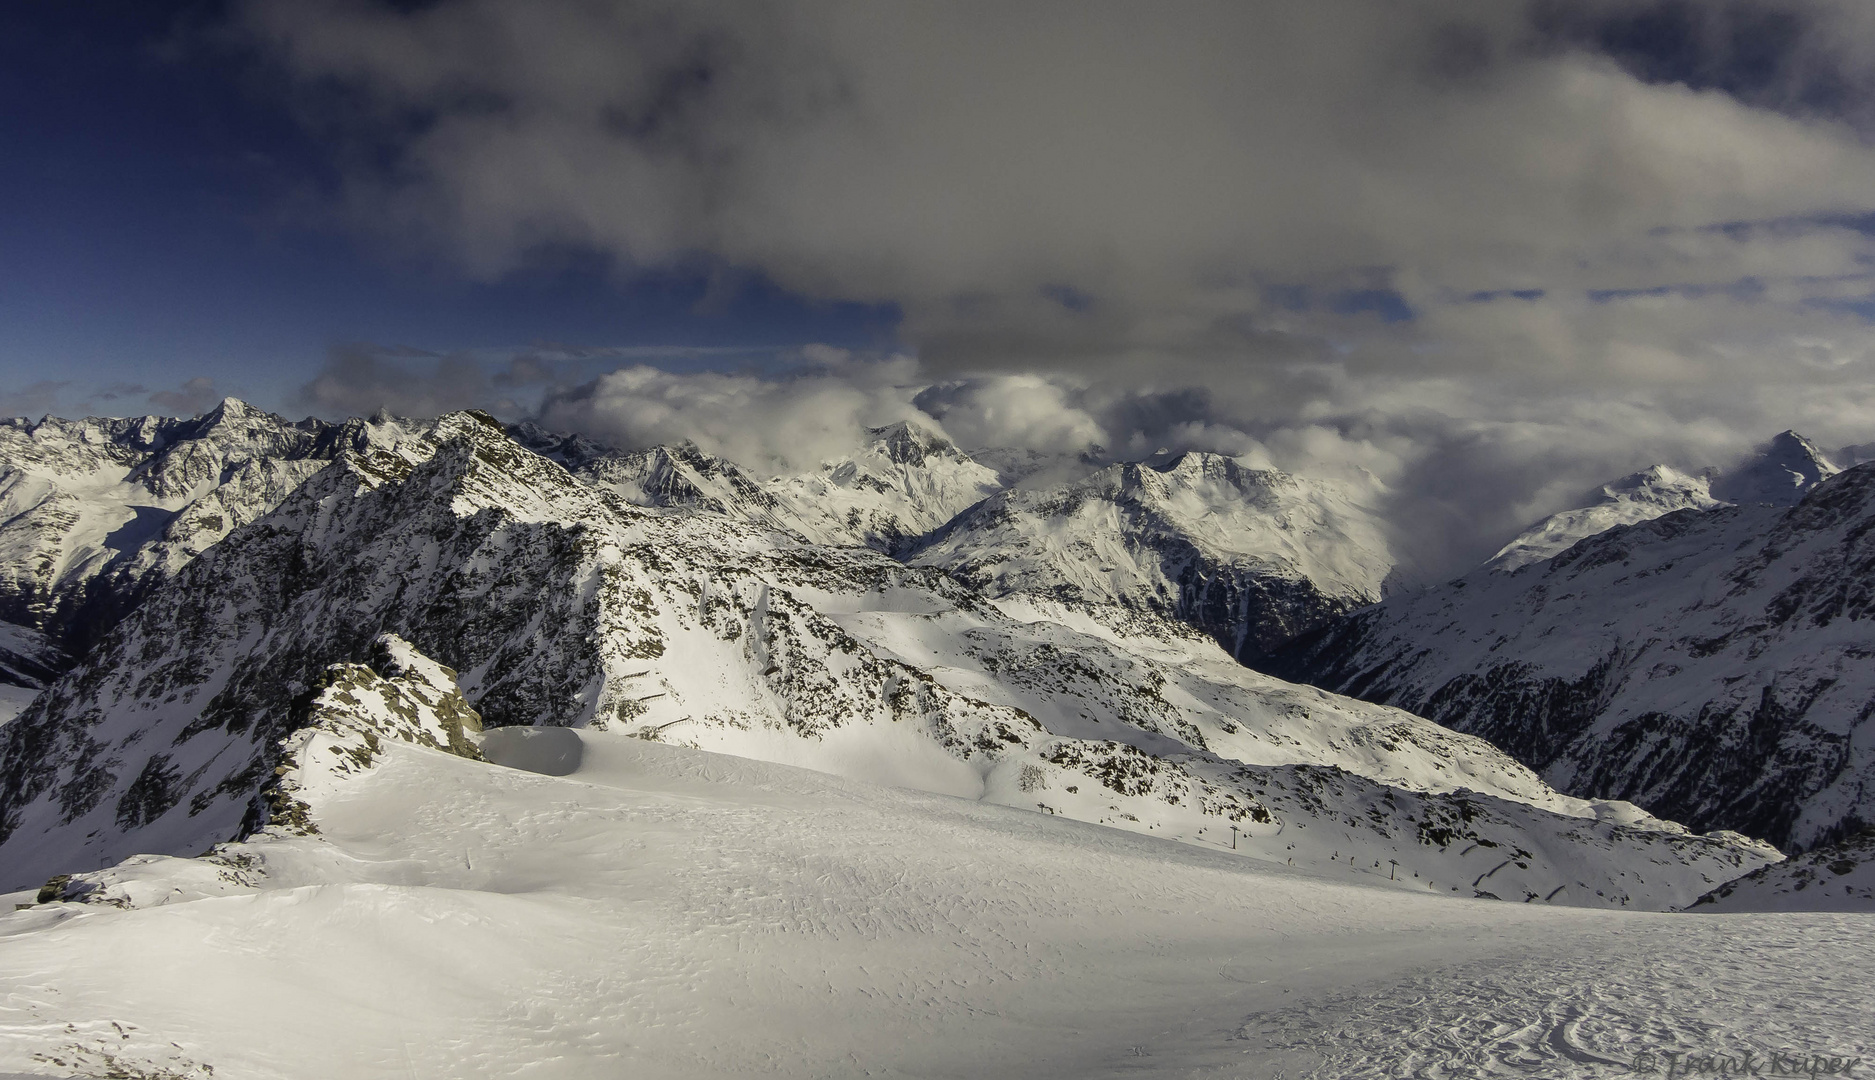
x,y
665,912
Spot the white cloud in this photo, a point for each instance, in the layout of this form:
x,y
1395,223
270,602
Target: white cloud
x,y
792,422
1196,224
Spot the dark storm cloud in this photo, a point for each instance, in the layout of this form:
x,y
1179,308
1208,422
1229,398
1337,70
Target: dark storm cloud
x,y
197,395
1480,249
359,379
32,401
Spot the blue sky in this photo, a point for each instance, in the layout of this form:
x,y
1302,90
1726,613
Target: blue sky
x,y
163,218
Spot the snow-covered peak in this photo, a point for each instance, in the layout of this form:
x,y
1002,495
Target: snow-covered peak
x,y
904,484
676,476
231,408
1635,498
1710,666
1779,475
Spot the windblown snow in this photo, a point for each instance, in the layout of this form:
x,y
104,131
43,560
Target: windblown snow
x,y
664,912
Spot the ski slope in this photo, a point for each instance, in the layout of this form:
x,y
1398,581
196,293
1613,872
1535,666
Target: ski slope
x,y
666,912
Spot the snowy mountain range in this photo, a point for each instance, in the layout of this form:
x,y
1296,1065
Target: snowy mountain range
x,y
94,513
1252,557
1777,476
559,598
1708,662
901,485
506,752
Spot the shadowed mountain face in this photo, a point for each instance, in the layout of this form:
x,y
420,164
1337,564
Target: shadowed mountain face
x,y
1712,666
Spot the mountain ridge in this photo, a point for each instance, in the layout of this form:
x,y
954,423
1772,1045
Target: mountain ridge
x,y
560,603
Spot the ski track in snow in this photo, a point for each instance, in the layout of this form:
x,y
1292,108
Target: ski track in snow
x,y
1792,983
663,912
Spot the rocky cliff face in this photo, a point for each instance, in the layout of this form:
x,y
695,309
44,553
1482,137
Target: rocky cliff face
x,y
1711,666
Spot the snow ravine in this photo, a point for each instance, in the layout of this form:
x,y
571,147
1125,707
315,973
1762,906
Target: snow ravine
x,y
665,912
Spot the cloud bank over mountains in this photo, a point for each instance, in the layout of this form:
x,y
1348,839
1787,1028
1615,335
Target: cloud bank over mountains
x,y
1493,252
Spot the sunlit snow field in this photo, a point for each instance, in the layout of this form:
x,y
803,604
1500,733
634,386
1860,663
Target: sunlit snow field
x,y
664,912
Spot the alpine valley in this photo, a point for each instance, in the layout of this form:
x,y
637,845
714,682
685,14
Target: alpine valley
x,y
448,747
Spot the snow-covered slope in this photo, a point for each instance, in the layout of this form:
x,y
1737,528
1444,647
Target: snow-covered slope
x,y
561,604
95,512
1250,556
667,913
27,660
902,484
1712,666
1840,877
1779,474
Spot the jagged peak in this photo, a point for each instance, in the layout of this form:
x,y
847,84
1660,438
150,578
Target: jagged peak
x,y
1652,484
232,407
472,424
1167,461
1199,466
1778,473
906,443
